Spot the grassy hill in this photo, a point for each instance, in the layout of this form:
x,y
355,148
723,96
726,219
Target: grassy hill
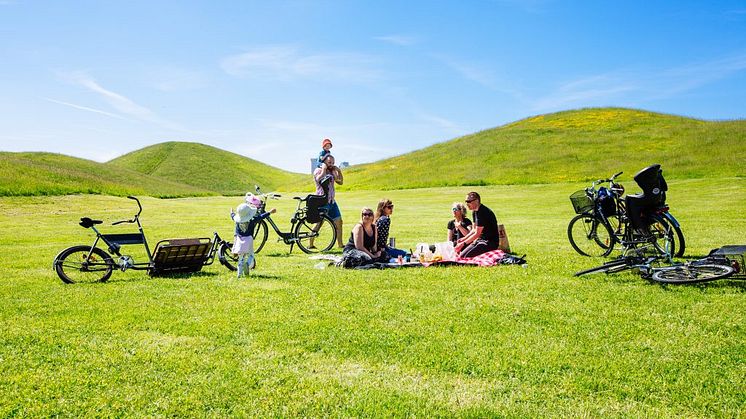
x,y
205,167
566,146
26,174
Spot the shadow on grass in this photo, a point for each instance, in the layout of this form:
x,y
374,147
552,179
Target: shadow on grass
x,y
263,276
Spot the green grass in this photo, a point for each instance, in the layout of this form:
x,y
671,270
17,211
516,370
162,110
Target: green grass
x,y
298,341
567,146
206,167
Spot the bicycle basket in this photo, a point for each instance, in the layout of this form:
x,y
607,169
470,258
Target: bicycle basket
x,y
581,202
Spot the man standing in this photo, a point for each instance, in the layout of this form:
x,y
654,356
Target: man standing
x,y
483,237
325,186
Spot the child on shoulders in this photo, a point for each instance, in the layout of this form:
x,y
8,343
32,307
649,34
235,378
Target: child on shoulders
x,y
326,147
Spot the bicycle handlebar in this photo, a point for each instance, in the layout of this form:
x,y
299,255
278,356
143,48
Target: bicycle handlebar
x,y
136,215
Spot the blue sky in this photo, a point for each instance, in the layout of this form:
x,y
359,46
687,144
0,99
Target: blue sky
x,y
271,79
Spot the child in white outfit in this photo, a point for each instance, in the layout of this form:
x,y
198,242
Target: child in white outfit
x,y
243,240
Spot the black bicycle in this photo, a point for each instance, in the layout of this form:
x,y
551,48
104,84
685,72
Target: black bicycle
x,y
81,264
705,269
310,227
603,221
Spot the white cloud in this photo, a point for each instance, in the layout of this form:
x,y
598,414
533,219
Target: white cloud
x,y
84,108
286,62
584,91
401,40
176,80
122,103
479,74
648,84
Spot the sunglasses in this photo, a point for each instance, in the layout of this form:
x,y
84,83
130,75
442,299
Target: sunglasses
x,y
390,206
455,209
469,201
367,214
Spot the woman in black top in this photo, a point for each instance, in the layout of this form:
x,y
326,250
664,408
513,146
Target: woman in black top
x,y
460,226
383,223
362,249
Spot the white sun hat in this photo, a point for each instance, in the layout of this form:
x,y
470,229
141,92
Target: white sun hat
x,y
244,213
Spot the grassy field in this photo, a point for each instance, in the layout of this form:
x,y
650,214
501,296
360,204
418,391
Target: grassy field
x,y
298,341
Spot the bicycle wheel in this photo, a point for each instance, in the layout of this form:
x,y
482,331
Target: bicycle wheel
x,y
680,241
315,237
589,236
616,224
690,274
607,268
227,257
663,235
83,264
260,236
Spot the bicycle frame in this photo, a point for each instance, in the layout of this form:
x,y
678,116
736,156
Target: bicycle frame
x,y
114,243
287,237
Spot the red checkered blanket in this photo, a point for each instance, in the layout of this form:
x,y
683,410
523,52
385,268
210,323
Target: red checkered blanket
x,y
490,258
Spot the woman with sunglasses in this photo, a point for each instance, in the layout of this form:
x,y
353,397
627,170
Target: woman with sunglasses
x,y
460,226
362,249
383,223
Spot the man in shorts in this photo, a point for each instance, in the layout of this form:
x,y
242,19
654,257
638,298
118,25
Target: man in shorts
x,y
325,186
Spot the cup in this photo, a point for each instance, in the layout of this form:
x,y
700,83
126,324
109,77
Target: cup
x,y
392,242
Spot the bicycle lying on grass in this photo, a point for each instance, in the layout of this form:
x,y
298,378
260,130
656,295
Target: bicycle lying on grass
x,y
709,268
81,264
603,218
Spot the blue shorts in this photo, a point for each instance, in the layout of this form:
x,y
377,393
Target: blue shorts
x,y
332,210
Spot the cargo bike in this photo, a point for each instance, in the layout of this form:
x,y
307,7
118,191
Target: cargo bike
x,y
91,263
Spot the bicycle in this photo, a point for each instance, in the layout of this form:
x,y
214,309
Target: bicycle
x,y
602,221
706,269
310,227
85,264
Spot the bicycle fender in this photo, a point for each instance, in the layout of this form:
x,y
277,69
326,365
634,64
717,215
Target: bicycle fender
x,y
672,219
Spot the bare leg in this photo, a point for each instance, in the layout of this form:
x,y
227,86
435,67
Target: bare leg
x,y
338,225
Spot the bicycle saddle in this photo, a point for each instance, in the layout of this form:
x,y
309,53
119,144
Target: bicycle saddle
x,y
88,223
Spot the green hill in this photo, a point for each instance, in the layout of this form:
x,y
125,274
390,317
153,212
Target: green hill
x,y
57,174
566,146
205,167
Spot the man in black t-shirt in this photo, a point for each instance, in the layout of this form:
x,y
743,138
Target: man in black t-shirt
x,y
483,237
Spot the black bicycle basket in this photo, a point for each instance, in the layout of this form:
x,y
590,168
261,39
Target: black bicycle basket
x,y
581,202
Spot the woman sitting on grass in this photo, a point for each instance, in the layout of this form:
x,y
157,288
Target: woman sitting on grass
x,y
383,223
362,249
460,226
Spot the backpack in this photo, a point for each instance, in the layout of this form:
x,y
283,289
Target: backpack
x,y
606,202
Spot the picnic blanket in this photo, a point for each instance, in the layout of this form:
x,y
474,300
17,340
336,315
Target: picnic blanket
x,y
492,258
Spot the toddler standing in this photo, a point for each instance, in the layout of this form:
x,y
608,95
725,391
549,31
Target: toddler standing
x,y
326,147
243,240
